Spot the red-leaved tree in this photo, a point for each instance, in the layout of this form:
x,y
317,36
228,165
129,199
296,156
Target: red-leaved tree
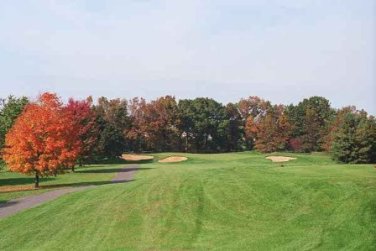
x,y
43,140
84,134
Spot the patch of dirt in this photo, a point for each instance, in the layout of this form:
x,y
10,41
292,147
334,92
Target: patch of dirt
x,y
136,157
279,158
173,159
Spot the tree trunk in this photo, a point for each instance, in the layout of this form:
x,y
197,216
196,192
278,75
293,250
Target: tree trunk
x,y
36,184
186,143
72,168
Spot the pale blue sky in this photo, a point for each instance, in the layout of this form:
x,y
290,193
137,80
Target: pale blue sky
x,y
280,50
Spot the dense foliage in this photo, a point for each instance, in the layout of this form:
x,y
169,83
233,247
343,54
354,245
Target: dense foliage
x,y
112,121
10,108
354,140
310,119
203,124
271,131
44,139
83,120
111,126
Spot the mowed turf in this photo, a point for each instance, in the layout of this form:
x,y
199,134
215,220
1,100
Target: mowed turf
x,y
235,201
89,175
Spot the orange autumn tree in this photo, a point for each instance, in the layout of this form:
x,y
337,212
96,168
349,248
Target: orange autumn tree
x,y
43,141
251,129
269,132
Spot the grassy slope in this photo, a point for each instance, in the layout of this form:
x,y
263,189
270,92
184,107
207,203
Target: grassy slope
x,y
224,201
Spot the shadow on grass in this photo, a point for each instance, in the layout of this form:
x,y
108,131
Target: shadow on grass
x,y
114,170
81,184
21,181
99,183
139,161
4,203
70,185
30,180
107,161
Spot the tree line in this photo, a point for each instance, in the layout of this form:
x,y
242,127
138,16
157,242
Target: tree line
x,y
109,127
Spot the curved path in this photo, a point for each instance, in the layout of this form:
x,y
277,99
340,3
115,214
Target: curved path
x,y
13,206
125,174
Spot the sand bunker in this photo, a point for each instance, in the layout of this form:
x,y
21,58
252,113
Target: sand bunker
x,y
136,157
173,159
279,158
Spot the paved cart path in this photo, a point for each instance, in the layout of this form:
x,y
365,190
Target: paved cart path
x,y
125,174
13,206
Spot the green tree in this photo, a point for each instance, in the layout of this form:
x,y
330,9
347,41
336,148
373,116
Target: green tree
x,y
235,139
111,142
334,126
365,138
113,123
355,140
10,109
310,120
203,123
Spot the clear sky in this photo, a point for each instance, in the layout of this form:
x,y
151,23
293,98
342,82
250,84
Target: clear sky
x,y
280,50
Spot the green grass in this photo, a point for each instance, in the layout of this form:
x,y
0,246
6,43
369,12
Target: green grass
x,y
237,201
87,175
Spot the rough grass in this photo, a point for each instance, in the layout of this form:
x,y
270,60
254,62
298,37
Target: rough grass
x,y
237,201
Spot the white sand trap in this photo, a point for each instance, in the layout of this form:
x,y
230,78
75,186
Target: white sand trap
x,y
173,159
136,157
279,158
